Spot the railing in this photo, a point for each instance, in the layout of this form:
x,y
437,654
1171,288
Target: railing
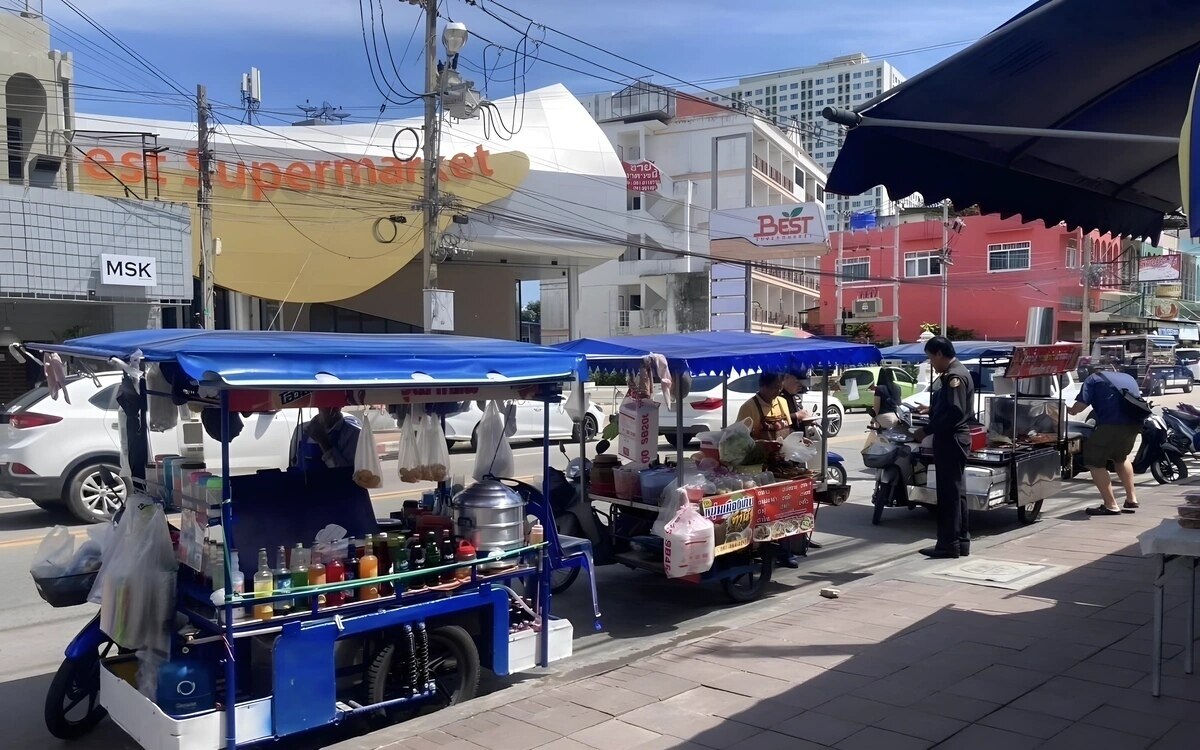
x,y
805,279
771,317
761,165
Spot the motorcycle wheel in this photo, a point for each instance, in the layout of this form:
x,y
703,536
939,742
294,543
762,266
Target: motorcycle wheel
x,y
73,701
879,499
1169,469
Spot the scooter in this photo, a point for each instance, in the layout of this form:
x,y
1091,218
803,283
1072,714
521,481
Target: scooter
x,y
1184,431
1156,453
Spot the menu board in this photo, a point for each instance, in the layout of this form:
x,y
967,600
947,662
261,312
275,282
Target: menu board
x,y
1039,361
761,514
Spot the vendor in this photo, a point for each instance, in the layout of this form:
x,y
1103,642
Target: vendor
x,y
329,439
768,410
793,389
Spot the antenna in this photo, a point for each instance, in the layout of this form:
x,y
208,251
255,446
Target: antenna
x,y
326,113
251,93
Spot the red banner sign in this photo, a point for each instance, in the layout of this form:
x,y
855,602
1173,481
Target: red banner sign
x,y
642,176
1039,361
761,514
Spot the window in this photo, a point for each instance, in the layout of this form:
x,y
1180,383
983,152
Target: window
x,y
794,86
857,97
922,263
758,92
1073,259
794,97
16,149
856,269
858,85
105,399
858,74
1008,256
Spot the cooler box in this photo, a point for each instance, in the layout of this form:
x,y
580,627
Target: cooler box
x,y
979,480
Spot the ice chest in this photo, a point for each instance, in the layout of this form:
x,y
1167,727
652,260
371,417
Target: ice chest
x,y
979,480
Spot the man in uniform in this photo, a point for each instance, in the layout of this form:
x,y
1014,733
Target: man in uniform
x,y
950,409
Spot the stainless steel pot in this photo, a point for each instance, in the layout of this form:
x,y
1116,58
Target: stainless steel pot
x,y
492,517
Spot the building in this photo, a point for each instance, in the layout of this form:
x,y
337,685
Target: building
x,y
692,163
71,264
795,98
998,269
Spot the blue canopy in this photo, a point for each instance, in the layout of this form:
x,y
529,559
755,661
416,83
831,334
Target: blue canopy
x,y
285,359
721,352
964,350
1046,70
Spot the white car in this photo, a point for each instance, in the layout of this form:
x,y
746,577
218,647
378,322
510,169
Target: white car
x,y
530,415
703,406
52,452
1068,383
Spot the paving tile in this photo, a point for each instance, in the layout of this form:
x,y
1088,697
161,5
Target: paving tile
x,y
1031,723
655,684
819,728
614,735
611,702
508,738
873,738
999,684
920,724
1182,737
955,706
1087,735
707,730
564,743
853,708
1133,722
978,737
668,743
775,741
1066,698
1106,674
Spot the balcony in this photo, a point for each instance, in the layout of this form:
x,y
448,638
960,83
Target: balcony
x,y
774,175
640,321
778,319
808,281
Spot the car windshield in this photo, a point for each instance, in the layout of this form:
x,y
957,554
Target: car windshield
x,y
862,377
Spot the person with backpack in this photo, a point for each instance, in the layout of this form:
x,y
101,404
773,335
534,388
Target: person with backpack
x,y
1117,427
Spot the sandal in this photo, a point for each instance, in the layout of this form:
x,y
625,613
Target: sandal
x,y
1102,511
1129,507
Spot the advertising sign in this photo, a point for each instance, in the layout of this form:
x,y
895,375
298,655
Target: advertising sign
x,y
1039,361
642,176
1159,268
794,228
128,270
760,514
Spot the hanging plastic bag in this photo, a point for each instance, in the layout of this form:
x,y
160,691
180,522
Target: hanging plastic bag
x,y
736,443
689,544
638,430
433,450
852,390
162,414
53,556
406,455
368,474
673,499
799,449
493,454
138,581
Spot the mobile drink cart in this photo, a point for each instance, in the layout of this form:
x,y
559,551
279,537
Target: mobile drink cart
x,y
749,521
406,642
1018,460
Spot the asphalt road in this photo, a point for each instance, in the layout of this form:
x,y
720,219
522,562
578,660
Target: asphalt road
x,y
640,612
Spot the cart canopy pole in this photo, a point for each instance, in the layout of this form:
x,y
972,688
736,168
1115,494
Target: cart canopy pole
x,y
824,431
543,558
680,440
227,538
724,401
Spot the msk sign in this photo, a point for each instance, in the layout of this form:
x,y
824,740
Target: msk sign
x,y
128,270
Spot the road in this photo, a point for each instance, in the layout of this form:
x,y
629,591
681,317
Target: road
x,y
640,612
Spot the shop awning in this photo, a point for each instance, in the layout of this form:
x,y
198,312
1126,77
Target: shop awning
x,y
312,361
722,352
964,350
1023,121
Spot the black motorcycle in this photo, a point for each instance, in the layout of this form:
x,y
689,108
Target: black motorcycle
x,y
1157,451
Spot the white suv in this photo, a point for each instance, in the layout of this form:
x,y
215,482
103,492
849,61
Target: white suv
x,y
52,452
703,406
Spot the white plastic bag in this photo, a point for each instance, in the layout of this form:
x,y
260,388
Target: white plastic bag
x,y
161,412
638,430
736,443
852,390
53,556
89,555
798,448
432,450
368,474
406,458
689,544
138,579
493,454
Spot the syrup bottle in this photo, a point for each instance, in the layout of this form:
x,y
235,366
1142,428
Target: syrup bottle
x,y
368,567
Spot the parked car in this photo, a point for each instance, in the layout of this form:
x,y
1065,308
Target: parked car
x,y
866,378
462,426
52,452
702,409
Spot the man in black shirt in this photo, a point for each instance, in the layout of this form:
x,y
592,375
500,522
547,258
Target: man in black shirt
x,y
950,410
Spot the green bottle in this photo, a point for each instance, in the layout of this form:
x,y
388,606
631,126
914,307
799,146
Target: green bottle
x,y
433,557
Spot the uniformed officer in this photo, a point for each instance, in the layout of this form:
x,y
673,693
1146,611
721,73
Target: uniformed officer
x,y
950,410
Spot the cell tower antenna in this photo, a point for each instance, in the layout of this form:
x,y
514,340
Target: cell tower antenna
x,y
251,94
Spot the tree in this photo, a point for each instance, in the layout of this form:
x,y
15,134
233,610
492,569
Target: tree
x,y
861,332
532,312
955,333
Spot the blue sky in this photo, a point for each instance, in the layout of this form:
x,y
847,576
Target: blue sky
x,y
314,50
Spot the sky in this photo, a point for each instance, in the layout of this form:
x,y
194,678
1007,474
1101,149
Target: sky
x,y
313,50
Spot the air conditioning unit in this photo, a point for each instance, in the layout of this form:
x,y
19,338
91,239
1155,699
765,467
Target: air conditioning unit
x,y
867,308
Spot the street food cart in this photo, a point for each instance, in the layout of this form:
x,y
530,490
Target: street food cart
x,y
775,501
1018,450
249,669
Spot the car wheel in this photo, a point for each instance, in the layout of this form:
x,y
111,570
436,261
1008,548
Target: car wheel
x,y
835,421
53,506
590,429
1187,387
89,496
835,474
475,439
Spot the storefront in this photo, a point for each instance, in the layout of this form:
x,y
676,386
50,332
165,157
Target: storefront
x,y
330,214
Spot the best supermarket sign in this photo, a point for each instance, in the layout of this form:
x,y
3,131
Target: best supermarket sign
x,y
771,226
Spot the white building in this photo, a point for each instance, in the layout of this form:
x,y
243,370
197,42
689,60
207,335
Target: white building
x,y
796,97
708,159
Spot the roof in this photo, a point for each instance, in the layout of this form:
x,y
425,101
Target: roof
x,y
913,353
287,359
722,352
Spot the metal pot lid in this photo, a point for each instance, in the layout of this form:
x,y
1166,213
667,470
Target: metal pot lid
x,y
488,493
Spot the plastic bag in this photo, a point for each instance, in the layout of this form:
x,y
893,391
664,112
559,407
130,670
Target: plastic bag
x,y
54,554
138,579
162,414
736,443
89,555
638,430
493,454
673,500
368,474
689,544
406,456
852,390
798,448
434,450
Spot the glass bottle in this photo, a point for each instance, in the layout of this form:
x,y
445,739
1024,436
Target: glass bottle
x,y
316,576
352,561
448,557
416,561
383,552
238,582
264,586
299,565
433,557
335,572
400,560
368,567
283,582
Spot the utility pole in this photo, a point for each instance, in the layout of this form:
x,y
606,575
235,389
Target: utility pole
x,y
1085,312
429,195
896,279
838,282
204,202
945,253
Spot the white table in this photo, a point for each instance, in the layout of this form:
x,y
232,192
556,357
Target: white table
x,y
1170,541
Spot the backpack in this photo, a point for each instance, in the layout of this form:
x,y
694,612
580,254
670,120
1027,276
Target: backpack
x,y
1132,405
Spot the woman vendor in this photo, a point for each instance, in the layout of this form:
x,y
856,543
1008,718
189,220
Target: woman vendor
x,y
768,410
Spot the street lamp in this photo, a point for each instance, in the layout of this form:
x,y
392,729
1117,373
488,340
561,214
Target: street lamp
x,y
454,37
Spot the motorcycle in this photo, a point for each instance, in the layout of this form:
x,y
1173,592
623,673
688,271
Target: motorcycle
x,y
1156,452
1184,431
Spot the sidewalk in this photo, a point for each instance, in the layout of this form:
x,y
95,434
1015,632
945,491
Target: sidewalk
x,y
905,660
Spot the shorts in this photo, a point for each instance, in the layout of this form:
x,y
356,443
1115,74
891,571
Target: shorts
x,y
1110,442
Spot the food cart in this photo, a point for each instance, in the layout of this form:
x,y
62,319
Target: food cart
x,y
1018,452
407,641
749,521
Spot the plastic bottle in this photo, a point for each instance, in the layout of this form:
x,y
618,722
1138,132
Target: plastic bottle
x,y
238,582
264,586
383,552
465,552
537,534
299,565
316,577
335,572
433,557
448,557
416,561
368,567
283,582
352,561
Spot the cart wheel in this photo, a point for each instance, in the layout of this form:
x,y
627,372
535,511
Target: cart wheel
x,y
453,665
750,586
879,500
73,701
1027,514
1169,469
